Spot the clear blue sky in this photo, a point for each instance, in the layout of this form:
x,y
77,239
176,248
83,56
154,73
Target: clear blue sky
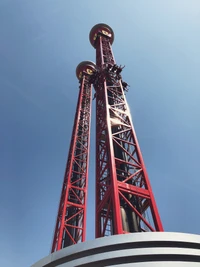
x,y
41,43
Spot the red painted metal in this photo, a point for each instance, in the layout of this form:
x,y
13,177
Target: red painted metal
x,y
71,219
124,198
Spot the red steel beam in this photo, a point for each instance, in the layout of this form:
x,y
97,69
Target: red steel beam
x,y
71,219
123,192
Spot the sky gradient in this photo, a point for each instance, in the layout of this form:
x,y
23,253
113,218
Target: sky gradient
x,y
41,43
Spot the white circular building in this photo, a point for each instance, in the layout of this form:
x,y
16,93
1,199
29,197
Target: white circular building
x,y
138,249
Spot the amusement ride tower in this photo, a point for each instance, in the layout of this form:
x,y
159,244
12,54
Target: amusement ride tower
x,y
127,223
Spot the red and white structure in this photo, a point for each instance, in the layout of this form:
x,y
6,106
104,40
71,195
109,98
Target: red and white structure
x,y
124,199
129,231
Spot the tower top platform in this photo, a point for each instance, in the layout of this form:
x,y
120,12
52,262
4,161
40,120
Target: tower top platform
x,y
86,66
101,28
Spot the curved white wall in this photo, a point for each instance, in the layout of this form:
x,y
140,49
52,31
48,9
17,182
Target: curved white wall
x,y
138,249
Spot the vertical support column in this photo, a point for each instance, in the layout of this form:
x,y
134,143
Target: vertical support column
x,y
108,218
71,219
124,199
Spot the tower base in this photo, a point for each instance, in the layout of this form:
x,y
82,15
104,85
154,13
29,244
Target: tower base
x,y
137,249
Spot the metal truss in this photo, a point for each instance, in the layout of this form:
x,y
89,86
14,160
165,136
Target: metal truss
x,y
71,220
124,198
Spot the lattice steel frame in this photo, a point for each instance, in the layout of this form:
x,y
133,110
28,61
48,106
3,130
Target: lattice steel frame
x,y
120,183
71,219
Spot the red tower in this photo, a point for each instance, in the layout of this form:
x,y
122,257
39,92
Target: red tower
x,y
71,219
124,198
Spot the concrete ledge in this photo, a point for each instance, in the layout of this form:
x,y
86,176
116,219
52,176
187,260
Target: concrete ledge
x,y
137,249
